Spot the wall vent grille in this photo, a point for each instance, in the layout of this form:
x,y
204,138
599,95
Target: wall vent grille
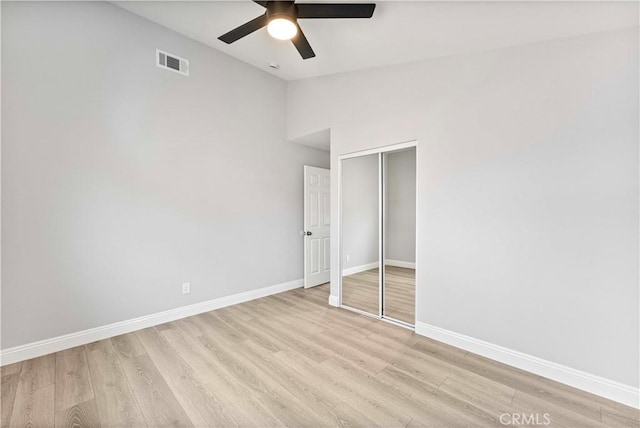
x,y
172,62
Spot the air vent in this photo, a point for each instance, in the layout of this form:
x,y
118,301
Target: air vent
x,y
172,62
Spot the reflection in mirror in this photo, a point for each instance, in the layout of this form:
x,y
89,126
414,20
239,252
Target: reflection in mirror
x,y
360,231
400,235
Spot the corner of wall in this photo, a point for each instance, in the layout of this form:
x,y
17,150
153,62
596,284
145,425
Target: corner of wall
x,y
333,301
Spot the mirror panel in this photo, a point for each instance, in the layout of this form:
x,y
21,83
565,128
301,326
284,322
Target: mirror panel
x,y
399,235
360,233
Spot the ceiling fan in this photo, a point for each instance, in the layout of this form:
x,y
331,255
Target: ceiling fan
x,y
281,19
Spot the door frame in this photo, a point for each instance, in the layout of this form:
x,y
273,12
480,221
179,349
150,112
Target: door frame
x,y
379,151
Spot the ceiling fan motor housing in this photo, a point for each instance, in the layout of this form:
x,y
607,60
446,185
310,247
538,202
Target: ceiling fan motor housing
x,y
282,9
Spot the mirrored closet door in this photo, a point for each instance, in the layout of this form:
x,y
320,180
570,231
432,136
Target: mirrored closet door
x,y
361,233
399,235
378,211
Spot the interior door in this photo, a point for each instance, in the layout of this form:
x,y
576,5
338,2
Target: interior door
x,y
317,241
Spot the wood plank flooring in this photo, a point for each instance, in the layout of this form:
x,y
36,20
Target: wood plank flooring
x,y
360,291
285,360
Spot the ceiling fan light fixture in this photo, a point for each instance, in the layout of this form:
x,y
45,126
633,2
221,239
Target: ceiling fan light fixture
x,y
281,19
282,28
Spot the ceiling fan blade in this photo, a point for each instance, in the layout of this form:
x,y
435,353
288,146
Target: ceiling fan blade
x,y
335,10
244,29
302,44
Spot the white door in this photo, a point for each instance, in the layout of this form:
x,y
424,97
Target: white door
x,y
317,241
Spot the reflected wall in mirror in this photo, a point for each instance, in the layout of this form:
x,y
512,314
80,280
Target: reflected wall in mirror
x,y
360,233
399,235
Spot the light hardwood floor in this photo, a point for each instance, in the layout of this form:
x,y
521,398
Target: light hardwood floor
x,y
360,291
284,360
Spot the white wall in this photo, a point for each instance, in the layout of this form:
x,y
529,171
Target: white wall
x,y
400,206
360,211
121,180
528,190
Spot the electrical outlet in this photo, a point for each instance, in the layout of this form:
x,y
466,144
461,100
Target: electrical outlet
x,y
186,287
348,257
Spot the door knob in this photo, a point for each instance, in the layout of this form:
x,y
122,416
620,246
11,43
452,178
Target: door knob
x,y
309,233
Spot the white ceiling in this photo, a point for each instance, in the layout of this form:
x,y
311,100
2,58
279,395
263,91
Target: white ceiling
x,y
400,31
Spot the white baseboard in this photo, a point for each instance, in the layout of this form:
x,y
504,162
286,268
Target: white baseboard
x,y
597,385
333,300
399,263
48,346
358,269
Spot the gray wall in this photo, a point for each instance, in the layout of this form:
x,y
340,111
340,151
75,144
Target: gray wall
x,y
121,180
360,211
528,189
400,206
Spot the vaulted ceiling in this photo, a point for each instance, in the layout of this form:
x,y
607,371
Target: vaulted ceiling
x,y
400,31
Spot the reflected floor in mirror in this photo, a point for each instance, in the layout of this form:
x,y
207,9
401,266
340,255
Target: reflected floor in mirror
x,y
400,294
360,291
